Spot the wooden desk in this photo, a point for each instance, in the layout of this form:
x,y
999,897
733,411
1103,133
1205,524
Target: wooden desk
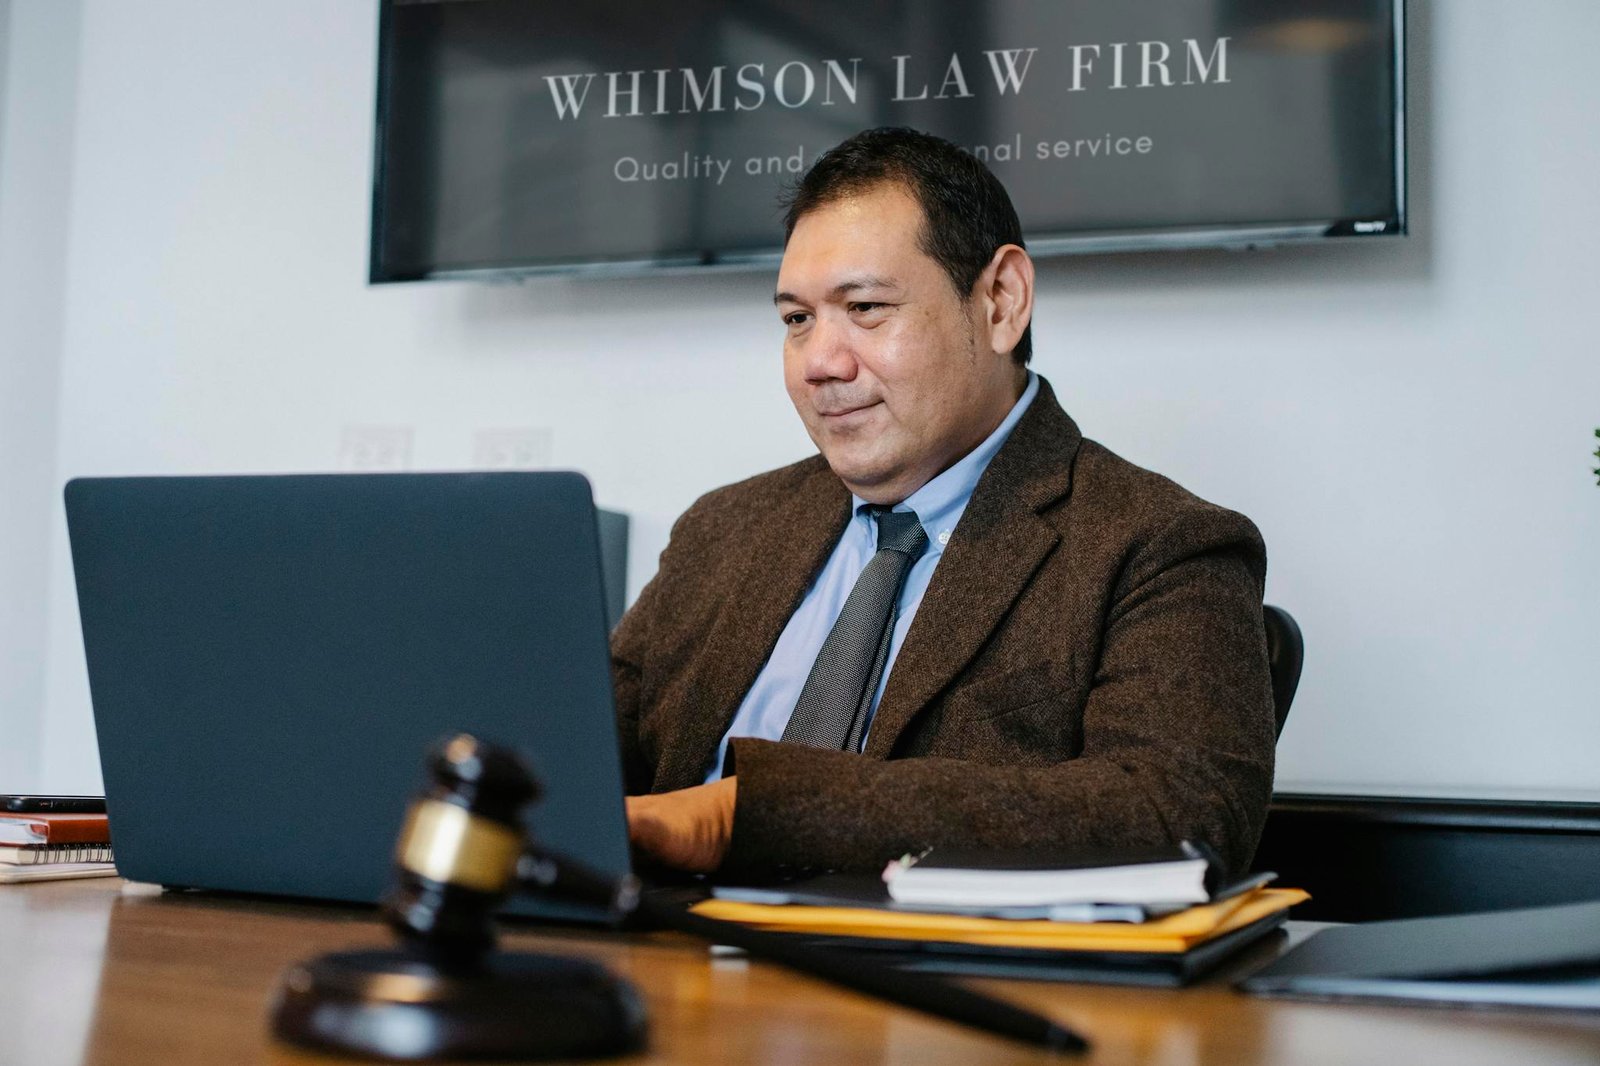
x,y
100,972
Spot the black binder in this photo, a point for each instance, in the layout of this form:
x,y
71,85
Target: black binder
x,y
1537,957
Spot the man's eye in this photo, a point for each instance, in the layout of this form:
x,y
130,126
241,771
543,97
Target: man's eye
x,y
795,318
865,306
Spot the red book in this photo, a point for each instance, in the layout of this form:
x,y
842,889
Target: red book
x,y
54,828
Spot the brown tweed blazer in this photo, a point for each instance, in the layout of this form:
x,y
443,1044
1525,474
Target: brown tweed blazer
x,y
1088,666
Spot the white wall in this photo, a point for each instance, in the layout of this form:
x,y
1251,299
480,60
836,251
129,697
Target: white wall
x,y
38,84
1408,421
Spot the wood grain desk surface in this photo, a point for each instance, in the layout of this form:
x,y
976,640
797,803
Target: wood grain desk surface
x,y
101,972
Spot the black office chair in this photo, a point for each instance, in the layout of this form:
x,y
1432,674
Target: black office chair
x,y
1285,654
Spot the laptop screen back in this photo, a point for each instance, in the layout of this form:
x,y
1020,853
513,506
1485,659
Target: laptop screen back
x,y
271,657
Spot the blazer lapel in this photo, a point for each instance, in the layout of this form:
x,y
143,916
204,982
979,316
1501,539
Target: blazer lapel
x,y
998,545
785,550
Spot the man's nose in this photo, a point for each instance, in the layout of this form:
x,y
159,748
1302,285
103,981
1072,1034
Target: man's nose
x,y
831,355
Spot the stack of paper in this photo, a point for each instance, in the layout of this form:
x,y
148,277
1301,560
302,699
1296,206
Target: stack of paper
x,y
1173,933
1161,877
1161,916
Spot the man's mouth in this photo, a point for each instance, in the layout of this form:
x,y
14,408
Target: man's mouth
x,y
846,411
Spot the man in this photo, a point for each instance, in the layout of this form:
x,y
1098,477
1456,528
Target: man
x,y
962,623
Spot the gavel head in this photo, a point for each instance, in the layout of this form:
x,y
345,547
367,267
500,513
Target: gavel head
x,y
447,994
457,855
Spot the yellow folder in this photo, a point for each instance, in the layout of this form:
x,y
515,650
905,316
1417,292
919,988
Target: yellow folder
x,y
1174,933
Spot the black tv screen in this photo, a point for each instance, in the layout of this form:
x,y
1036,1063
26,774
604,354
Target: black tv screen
x,y
531,135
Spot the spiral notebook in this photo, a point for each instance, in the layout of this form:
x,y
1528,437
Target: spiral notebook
x,y
52,862
49,854
59,871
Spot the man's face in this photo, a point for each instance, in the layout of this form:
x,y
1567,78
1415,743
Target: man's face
x,y
890,370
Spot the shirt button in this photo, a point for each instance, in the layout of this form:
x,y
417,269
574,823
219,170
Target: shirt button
x,y
944,538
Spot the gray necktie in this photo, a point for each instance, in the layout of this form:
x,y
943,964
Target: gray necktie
x,y
836,702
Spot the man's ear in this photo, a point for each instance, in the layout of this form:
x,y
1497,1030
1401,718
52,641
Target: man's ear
x,y
1006,288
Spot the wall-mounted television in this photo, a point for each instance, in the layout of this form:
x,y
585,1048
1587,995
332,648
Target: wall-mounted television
x,y
526,136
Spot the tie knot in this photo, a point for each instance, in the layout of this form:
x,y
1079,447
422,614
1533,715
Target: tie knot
x,y
900,531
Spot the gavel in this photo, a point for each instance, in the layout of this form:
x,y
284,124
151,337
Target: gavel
x,y
448,992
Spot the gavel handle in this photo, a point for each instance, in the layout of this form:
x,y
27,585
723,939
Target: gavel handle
x,y
545,873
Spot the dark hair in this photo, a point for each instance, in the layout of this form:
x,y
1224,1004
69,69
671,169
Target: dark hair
x,y
967,215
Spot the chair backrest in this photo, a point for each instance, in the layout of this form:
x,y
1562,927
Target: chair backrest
x,y
613,562
1285,654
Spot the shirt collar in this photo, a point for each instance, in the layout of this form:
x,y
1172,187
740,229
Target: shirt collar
x,y
941,501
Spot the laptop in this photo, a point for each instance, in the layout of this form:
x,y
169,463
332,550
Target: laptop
x,y
270,658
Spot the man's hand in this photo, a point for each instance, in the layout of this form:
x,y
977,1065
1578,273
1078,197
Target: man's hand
x,y
688,829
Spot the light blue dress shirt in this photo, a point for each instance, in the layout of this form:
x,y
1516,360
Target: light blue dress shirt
x,y
939,505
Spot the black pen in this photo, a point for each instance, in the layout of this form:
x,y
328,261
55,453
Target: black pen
x,y
542,871
924,992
